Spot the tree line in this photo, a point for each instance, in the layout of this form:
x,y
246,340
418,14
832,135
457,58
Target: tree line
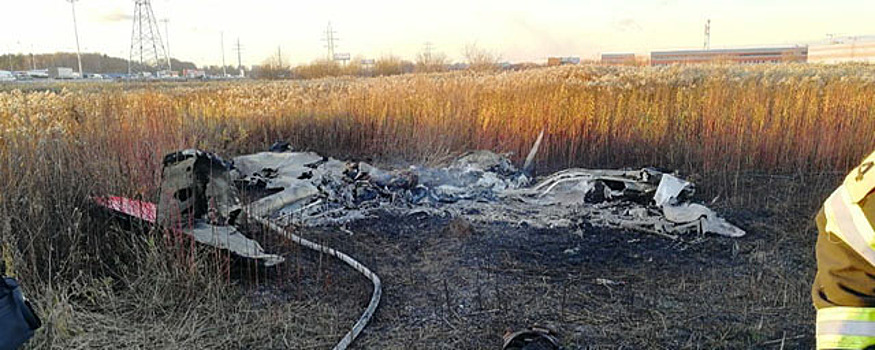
x,y
476,58
91,62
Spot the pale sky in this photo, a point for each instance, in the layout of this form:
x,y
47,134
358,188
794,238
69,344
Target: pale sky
x,y
516,29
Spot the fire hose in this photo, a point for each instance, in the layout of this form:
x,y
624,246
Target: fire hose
x,y
378,289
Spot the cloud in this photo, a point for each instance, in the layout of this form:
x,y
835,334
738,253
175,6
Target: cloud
x,y
628,25
116,16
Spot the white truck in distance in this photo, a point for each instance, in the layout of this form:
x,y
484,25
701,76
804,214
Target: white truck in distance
x,y
62,73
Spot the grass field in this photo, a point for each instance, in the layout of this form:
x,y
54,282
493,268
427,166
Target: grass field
x,y
761,139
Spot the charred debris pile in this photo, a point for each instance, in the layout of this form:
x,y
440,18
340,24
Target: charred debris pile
x,y
306,189
204,195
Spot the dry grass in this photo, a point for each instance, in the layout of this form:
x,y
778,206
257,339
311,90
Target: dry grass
x,y
61,144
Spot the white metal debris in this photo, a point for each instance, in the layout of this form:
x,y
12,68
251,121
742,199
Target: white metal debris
x,y
311,190
198,199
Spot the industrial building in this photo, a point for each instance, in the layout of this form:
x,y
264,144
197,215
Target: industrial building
x,y
854,49
561,61
745,55
618,59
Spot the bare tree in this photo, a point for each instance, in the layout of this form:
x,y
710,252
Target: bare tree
x,y
481,59
427,61
389,65
273,67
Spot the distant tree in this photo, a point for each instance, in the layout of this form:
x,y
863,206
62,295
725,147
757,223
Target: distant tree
x,y
392,65
354,67
319,69
272,67
480,59
431,62
91,62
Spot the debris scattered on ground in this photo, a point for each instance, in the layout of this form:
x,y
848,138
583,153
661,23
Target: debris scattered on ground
x,y
201,196
304,188
606,282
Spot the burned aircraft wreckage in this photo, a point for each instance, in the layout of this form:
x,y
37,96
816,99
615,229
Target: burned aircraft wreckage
x,y
201,197
310,190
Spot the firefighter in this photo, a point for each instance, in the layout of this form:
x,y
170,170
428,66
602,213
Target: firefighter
x,y
844,287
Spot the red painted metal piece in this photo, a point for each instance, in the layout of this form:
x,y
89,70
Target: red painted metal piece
x,y
145,211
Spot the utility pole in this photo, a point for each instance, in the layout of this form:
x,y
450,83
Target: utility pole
x,y
708,34
32,59
224,72
239,57
279,57
329,40
76,32
427,53
853,40
167,33
9,60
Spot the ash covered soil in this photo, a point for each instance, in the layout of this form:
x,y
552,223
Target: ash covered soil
x,y
449,283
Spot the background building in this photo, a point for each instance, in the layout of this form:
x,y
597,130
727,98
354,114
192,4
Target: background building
x,y
560,61
838,50
746,55
618,59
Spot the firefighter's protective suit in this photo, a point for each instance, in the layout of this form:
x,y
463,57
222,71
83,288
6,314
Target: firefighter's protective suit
x,y
844,288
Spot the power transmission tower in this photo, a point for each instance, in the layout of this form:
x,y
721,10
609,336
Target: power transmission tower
x,y
167,33
329,40
224,71
427,51
239,50
708,34
147,49
76,31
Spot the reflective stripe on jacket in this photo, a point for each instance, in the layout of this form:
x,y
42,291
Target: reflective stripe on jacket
x,y
845,327
845,219
844,288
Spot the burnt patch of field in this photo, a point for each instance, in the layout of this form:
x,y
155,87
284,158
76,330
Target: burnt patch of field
x,y
449,283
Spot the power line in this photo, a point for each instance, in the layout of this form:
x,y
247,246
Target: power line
x,y
224,70
427,51
239,50
708,34
146,45
329,40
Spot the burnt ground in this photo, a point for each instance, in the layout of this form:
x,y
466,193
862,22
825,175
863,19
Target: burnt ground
x,y
448,283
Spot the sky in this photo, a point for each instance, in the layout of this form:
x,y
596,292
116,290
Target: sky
x,y
517,30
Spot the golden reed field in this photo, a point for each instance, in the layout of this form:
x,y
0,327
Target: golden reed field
x,y
717,119
60,144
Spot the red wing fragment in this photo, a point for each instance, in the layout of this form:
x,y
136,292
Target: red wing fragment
x,y
145,211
